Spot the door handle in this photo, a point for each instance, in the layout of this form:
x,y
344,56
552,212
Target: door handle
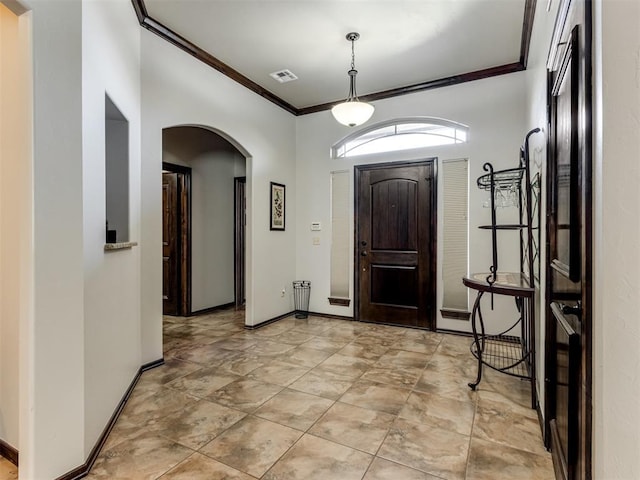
x,y
364,253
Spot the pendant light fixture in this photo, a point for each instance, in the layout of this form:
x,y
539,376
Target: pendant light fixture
x,y
352,112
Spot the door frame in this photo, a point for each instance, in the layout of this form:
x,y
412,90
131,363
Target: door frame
x,y
433,232
239,240
184,244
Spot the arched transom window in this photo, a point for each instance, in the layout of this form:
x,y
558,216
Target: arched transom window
x,y
401,134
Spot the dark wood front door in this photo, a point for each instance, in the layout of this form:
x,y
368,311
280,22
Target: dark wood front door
x,y
170,245
569,252
396,243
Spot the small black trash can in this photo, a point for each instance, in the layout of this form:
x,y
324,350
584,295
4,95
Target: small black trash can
x,y
301,292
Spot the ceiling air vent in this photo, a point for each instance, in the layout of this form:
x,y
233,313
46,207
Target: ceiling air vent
x,y
284,76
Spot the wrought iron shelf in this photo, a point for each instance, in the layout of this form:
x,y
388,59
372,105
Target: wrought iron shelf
x,y
513,350
501,178
504,354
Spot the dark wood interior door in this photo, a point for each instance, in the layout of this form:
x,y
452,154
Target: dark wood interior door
x,y
240,215
569,252
170,245
396,243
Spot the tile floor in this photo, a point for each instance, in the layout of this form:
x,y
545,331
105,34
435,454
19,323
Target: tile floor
x,y
320,399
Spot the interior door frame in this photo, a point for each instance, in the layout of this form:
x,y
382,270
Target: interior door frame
x,y
239,240
433,233
184,203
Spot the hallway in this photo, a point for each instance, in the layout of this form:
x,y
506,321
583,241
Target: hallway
x,y
320,398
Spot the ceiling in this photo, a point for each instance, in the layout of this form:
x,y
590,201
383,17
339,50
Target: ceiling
x,y
405,45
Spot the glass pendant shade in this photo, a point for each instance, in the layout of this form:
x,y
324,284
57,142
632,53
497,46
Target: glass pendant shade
x,y
352,112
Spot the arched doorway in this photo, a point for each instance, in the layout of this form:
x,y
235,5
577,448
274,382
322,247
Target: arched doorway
x,y
204,208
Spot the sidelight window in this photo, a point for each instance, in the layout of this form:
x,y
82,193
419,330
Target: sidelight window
x,y
401,134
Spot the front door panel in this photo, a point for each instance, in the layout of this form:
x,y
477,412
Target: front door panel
x,y
395,244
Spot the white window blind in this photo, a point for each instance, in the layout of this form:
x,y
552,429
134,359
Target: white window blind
x,y
455,233
340,234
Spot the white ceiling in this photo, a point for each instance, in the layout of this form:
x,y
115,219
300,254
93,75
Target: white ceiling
x,y
402,43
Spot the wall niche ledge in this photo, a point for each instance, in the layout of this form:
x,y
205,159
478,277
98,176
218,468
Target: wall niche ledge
x,y
110,247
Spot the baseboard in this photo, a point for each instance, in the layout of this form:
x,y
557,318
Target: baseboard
x,y
83,470
448,331
204,311
329,315
269,322
9,452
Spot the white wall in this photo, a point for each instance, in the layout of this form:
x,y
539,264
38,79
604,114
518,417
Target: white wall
x,y
616,348
54,436
214,163
112,343
494,110
179,90
15,214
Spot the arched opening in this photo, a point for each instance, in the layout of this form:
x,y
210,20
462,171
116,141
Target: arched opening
x,y
204,210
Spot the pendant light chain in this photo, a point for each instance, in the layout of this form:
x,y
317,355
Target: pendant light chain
x,y
353,55
353,96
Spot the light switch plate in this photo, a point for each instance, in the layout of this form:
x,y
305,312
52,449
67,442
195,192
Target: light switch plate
x,y
316,226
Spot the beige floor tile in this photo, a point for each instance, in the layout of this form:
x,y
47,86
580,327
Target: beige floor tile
x,y
144,458
236,343
326,344
293,337
376,396
398,376
489,461
211,355
368,352
245,394
507,423
463,365
446,383
269,347
294,409
376,340
323,383
198,424
203,382
402,358
348,366
200,467
244,362
441,412
216,387
8,471
252,445
427,345
305,356
278,373
169,371
314,458
429,449
355,427
162,403
382,469
311,326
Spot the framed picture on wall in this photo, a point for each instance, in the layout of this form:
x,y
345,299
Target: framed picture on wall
x,y
277,203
